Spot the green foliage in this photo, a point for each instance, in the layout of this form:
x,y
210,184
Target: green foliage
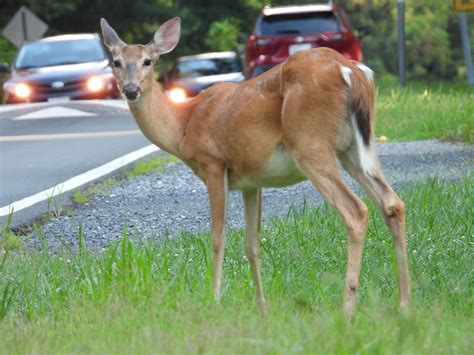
x,y
433,47
136,297
427,41
7,51
223,35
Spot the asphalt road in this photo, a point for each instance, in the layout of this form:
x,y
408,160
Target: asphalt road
x,y
42,145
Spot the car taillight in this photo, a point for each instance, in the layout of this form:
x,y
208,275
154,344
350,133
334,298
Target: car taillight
x,y
251,41
358,52
255,42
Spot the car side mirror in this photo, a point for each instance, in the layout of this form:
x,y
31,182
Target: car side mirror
x,y
4,69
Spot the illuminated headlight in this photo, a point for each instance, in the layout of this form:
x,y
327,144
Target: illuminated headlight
x,y
177,95
22,90
95,84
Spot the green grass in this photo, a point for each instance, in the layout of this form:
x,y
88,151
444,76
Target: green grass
x,y
157,298
418,111
80,197
8,239
157,164
100,188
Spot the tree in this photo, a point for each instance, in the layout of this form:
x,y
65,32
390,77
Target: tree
x,y
223,35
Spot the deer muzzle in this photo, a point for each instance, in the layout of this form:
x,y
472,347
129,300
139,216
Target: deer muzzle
x,y
131,91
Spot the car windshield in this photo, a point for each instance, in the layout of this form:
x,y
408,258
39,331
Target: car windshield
x,y
195,68
300,24
51,53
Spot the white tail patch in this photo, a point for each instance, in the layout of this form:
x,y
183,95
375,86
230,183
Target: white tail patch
x,y
346,74
369,73
365,153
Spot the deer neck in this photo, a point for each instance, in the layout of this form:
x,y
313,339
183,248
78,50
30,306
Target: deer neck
x,y
159,119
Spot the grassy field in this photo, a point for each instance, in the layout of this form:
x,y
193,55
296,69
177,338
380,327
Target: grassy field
x,y
425,111
149,298
157,298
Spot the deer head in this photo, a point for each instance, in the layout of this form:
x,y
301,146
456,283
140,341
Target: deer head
x,y
133,64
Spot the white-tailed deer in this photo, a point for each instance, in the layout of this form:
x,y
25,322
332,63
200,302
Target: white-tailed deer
x,y
289,124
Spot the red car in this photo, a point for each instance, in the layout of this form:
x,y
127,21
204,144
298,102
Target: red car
x,y
282,31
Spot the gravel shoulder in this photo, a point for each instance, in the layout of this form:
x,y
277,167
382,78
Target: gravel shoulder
x,y
165,204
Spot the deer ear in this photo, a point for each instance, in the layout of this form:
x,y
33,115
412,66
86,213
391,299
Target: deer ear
x,y
111,39
166,37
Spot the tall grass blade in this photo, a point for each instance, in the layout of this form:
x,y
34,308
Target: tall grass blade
x,y
7,299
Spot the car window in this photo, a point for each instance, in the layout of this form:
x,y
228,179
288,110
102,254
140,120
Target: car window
x,y
203,67
301,23
43,54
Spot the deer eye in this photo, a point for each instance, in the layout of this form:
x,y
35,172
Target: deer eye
x,y
147,62
117,63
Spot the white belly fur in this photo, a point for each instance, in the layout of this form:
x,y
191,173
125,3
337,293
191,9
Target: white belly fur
x,y
279,170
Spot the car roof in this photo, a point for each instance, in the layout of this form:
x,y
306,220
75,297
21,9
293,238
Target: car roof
x,y
212,55
68,37
283,10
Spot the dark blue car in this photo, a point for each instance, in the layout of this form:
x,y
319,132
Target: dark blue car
x,y
67,67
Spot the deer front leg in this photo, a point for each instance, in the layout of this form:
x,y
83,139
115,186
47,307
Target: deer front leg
x,y
217,186
252,204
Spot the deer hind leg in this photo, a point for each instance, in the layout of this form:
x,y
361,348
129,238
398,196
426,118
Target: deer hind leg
x,y
376,187
252,205
217,186
321,169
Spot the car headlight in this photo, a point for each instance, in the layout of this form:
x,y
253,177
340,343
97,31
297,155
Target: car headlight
x,y
177,95
95,84
22,90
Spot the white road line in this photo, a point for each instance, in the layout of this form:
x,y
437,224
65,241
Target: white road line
x,y
120,104
61,136
54,112
78,180
14,107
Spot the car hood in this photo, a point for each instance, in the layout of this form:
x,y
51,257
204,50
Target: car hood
x,y
60,72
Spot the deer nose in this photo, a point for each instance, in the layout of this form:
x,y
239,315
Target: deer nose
x,y
131,91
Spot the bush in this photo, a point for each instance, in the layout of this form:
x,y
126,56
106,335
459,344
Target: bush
x,y
7,50
223,35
